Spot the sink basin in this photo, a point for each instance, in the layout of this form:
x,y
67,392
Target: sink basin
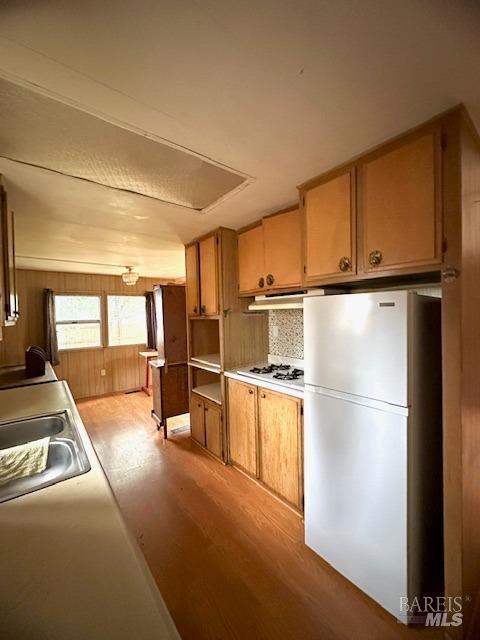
x,y
66,455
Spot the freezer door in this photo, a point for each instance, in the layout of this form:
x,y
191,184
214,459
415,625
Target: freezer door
x,y
356,494
358,344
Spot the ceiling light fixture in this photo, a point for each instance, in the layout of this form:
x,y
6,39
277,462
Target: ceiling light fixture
x,y
129,277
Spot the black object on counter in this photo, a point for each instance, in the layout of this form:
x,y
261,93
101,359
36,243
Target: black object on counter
x,y
35,361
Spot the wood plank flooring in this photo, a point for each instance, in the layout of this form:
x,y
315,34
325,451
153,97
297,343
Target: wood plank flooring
x,y
228,558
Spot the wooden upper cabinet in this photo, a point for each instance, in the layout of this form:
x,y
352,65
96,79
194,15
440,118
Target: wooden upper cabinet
x,y
399,208
242,425
280,445
192,279
251,263
329,229
208,276
283,255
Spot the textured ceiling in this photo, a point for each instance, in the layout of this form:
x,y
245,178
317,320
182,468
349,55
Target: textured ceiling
x,y
279,90
47,133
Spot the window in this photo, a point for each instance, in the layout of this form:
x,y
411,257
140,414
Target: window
x,y
127,320
78,321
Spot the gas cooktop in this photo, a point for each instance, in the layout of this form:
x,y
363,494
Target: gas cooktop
x,y
285,374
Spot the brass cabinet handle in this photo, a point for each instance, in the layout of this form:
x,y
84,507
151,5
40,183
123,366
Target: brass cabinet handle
x,y
262,395
203,308
250,391
261,282
270,279
345,264
375,257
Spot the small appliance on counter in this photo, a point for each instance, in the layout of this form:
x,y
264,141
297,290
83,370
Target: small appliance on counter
x,y
35,362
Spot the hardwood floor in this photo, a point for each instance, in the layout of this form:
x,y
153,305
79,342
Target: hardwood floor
x,y
228,558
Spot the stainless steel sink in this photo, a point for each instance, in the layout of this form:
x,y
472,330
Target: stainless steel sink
x,y
66,455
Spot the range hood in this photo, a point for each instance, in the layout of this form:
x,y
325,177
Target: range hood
x,y
290,301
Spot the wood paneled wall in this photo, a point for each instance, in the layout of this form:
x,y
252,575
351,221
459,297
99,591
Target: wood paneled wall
x,y
82,369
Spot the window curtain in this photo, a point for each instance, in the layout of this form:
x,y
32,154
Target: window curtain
x,y
151,320
50,329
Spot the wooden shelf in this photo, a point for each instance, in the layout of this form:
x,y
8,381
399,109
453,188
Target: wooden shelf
x,y
211,359
210,391
205,367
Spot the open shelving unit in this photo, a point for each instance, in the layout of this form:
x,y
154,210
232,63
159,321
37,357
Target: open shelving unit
x,y
221,335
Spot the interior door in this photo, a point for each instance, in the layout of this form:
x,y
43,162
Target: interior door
x,y
329,229
401,220
242,425
251,266
283,259
213,429
197,420
356,494
279,441
191,265
209,276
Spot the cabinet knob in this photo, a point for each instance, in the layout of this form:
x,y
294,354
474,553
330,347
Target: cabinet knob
x,y
203,309
345,264
270,279
250,391
262,395
206,408
261,282
195,309
375,257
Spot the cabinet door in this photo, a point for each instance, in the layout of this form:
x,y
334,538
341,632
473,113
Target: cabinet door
x,y
280,447
209,276
400,217
197,422
251,270
242,425
213,428
283,261
191,266
329,229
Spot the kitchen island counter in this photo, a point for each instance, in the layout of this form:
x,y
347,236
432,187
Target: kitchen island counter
x,y
70,569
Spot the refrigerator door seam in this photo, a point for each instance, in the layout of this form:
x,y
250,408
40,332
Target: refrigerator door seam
x,y
361,400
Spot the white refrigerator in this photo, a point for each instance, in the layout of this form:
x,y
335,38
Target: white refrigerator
x,y
373,441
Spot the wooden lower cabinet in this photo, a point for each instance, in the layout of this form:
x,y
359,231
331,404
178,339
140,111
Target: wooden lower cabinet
x,y
242,425
206,424
265,438
197,421
213,429
280,445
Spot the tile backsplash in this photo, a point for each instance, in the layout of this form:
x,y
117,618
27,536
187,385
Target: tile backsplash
x,y
285,333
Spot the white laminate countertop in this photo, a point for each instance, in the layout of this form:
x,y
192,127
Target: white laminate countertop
x,y
266,384
69,568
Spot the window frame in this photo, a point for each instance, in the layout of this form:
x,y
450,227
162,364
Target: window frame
x,y
107,336
101,321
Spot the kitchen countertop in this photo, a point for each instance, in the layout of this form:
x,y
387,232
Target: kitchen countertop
x,y
266,384
69,567
14,376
